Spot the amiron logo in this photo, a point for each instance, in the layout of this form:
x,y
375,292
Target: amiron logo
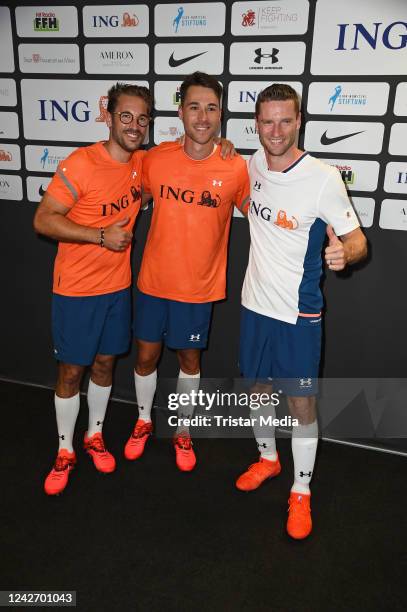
x,y
46,22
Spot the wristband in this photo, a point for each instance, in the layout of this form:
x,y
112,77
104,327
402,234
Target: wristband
x,y
102,237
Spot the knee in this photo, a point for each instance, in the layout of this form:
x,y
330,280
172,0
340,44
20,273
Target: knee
x,y
70,376
303,409
101,370
189,363
146,363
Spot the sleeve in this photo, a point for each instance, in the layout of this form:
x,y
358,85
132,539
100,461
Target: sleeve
x,y
335,207
68,183
242,196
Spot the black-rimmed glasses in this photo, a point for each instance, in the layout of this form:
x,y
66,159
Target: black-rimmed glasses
x,y
127,117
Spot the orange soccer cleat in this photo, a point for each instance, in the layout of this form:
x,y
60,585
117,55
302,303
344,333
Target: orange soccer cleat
x,y
57,479
102,459
299,524
257,473
135,444
184,453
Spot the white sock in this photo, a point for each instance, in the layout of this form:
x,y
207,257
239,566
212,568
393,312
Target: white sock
x,y
66,410
98,398
304,444
265,433
145,391
185,384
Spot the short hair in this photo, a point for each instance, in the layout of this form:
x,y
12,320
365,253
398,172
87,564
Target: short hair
x,y
129,90
202,80
278,91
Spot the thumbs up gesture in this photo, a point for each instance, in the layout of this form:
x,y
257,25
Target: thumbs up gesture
x,y
335,251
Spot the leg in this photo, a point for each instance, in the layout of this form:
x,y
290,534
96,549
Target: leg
x,y
145,376
304,441
100,385
67,402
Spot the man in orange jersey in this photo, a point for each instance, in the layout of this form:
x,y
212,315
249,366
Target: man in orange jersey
x,y
184,263
90,207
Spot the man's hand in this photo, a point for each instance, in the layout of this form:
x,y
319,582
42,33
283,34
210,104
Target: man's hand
x,y
227,148
335,255
117,238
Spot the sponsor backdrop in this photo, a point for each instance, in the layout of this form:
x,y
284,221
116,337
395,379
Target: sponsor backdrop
x,y
346,59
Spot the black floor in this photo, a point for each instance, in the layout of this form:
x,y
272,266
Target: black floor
x,y
151,538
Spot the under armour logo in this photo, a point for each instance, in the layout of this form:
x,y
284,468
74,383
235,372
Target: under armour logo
x,y
302,474
305,382
263,445
141,407
194,337
215,182
257,186
99,422
260,55
62,437
134,174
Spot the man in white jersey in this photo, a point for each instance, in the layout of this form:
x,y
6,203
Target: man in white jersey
x,y
295,200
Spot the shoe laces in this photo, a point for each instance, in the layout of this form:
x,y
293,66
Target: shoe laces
x,y
62,463
97,444
298,504
184,442
141,430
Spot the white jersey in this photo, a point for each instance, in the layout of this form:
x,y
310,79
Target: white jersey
x,y
288,215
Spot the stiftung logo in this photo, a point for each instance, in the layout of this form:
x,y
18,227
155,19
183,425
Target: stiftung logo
x,y
49,161
188,21
46,22
340,98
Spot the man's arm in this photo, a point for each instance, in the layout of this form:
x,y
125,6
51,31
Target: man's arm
x,y
346,250
145,199
50,220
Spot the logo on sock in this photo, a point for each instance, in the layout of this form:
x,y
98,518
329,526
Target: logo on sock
x,y
302,474
99,422
62,437
264,445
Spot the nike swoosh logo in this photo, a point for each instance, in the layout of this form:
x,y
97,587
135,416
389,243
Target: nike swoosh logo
x,y
325,140
41,191
174,63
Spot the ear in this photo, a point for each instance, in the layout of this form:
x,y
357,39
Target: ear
x,y
180,114
109,119
299,119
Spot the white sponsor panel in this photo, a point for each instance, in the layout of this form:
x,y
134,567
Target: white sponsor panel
x,y
36,187
400,103
243,133
364,208
116,59
167,128
8,92
336,98
11,187
167,95
185,58
45,158
6,41
357,174
9,125
47,57
344,137
47,21
69,110
242,95
197,19
121,20
270,18
395,180
360,38
398,139
268,58
10,157
393,215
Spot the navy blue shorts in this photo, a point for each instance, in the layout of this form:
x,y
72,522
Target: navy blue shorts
x,y
285,352
180,325
83,327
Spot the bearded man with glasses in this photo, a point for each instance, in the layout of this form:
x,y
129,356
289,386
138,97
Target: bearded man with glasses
x,y
90,207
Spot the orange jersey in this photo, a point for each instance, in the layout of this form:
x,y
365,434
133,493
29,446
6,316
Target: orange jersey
x,y
99,192
186,250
